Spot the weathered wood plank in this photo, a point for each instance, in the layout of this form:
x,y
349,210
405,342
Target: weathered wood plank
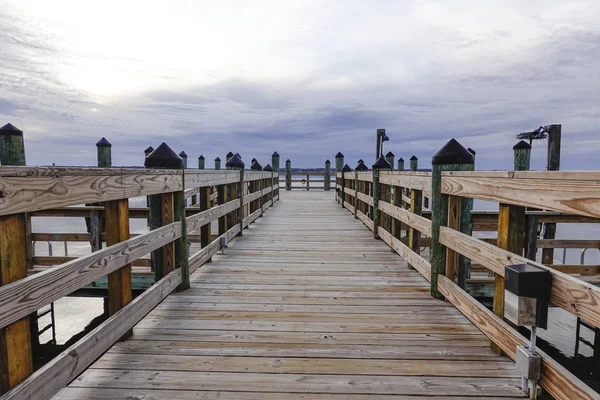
x,y
197,221
571,196
419,223
23,297
195,178
45,188
65,367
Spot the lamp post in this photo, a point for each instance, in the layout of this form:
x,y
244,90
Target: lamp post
x,y
381,137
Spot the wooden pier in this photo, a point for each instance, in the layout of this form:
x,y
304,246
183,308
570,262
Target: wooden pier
x,y
318,311
316,294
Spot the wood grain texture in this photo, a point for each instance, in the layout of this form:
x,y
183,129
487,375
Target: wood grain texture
x,y
421,224
309,313
580,197
195,178
572,294
203,218
555,379
411,180
43,188
21,298
454,218
414,259
65,367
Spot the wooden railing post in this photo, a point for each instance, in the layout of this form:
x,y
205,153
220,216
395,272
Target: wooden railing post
x,y
184,157
389,193
288,175
236,163
416,203
466,227
217,164
275,166
380,165
256,186
345,170
268,168
451,157
162,209
16,359
522,157
359,188
229,189
554,138
327,177
339,164
398,202
204,203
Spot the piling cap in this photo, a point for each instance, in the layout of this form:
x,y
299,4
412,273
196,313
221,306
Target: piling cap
x,y
346,168
381,130
522,145
327,162
103,143
217,159
381,163
253,160
268,168
148,150
256,166
361,161
361,166
452,153
163,157
10,129
390,154
238,154
275,154
235,162
401,159
413,158
182,154
470,150
339,155
229,155
201,157
288,161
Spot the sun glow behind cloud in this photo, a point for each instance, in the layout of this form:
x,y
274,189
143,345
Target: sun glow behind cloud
x,y
297,74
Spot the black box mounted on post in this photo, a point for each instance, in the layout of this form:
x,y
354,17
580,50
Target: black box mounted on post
x,y
527,295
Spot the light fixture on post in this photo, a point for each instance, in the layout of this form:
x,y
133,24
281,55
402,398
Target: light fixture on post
x,y
526,300
381,137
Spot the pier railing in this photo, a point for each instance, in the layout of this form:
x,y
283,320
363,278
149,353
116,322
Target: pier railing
x,y
390,202
241,197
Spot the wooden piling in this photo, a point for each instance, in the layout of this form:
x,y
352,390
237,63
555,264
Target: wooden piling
x,y
389,193
217,163
416,202
327,177
162,209
275,166
184,157
16,252
288,175
554,139
339,164
452,157
522,161
345,169
466,227
201,162
236,163
380,165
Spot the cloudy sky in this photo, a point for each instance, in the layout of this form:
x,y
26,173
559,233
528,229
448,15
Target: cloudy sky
x,y
305,78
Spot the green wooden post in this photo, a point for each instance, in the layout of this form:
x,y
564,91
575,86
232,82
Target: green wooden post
x,y
389,192
380,165
275,166
466,227
217,163
103,149
327,177
401,164
339,164
16,340
398,202
359,186
255,187
452,157
236,163
345,170
201,162
554,139
288,175
160,209
181,245
184,157
522,161
268,168
96,223
12,146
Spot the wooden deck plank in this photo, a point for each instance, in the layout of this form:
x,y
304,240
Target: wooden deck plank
x,y
306,305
